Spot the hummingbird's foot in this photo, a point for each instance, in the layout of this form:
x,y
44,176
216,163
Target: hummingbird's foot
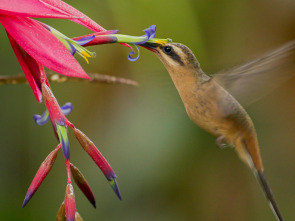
x,y
220,142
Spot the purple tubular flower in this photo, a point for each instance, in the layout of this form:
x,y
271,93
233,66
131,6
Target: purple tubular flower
x,y
72,45
43,119
108,37
85,40
99,40
63,139
67,108
75,46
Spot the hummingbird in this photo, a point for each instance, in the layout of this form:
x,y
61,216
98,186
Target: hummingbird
x,y
211,101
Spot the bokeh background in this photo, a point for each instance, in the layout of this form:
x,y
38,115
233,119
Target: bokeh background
x,y
167,167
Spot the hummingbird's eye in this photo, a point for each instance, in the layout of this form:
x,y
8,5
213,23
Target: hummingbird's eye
x,y
168,49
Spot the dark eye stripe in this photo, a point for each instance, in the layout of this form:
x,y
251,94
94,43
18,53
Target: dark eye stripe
x,y
176,58
172,54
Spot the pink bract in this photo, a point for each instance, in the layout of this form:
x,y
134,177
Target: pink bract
x,y
43,46
80,18
47,9
30,8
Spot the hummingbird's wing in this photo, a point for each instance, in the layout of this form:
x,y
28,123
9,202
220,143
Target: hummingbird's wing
x,y
254,79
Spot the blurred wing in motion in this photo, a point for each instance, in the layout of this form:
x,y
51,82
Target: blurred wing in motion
x,y
254,79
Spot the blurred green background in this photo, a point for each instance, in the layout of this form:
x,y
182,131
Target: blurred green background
x,y
167,167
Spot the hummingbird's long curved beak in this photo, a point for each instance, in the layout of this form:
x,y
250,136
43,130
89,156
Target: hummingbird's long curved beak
x,y
150,46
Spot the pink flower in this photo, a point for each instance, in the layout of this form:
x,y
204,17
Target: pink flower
x,y
47,9
34,45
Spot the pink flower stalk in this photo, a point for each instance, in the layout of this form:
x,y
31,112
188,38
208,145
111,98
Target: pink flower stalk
x,y
70,204
60,123
58,119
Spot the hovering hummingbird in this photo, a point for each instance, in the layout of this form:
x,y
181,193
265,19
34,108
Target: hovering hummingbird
x,y
210,100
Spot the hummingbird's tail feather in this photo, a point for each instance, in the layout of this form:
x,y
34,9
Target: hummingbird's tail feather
x,y
268,194
248,151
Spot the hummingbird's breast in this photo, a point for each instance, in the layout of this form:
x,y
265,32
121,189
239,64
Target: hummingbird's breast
x,y
216,111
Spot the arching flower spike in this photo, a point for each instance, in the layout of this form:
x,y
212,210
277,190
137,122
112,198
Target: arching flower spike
x,y
108,38
60,123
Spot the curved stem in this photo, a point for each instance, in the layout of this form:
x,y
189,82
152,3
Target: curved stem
x,y
68,165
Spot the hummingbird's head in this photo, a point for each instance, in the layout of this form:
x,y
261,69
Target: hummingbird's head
x,y
181,64
174,56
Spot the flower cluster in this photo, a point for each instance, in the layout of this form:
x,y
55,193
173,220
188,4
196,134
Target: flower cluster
x,y
36,45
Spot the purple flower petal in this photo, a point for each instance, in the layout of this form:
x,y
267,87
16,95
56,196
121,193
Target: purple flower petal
x,y
43,119
67,108
115,188
130,58
151,31
85,40
72,49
